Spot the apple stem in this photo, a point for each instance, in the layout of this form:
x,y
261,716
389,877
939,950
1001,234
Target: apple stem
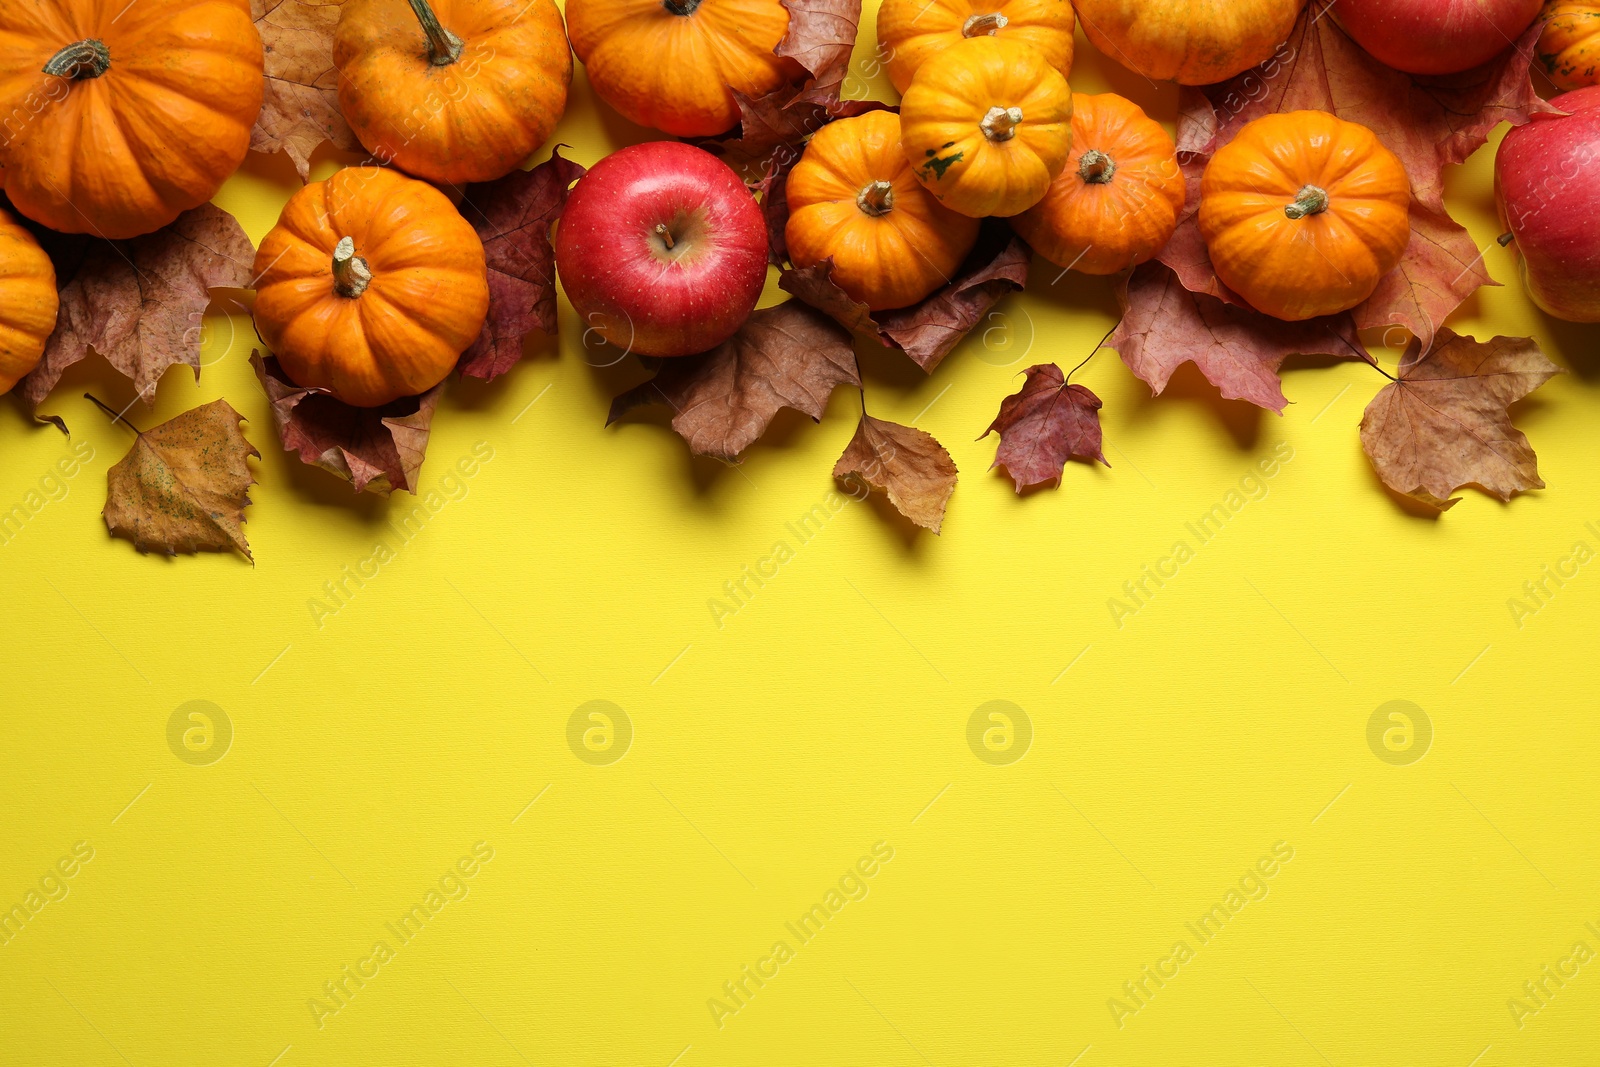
x,y
876,198
1096,168
1505,239
984,25
444,47
1310,201
351,275
1000,123
665,234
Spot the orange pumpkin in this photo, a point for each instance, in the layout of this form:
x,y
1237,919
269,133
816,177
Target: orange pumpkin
x,y
675,64
28,301
1117,203
120,116
370,286
987,126
852,197
909,31
1569,48
1192,42
457,91
1304,213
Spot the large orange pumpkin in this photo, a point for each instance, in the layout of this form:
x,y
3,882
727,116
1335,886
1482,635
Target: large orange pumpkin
x,y
1117,203
28,301
852,197
454,91
674,64
987,125
370,286
117,117
1304,214
1569,48
909,31
1192,42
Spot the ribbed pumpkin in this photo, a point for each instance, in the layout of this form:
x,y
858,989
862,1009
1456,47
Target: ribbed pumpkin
x,y
852,197
1191,42
117,117
909,31
1304,213
454,90
370,286
987,124
1117,203
674,64
28,301
1569,48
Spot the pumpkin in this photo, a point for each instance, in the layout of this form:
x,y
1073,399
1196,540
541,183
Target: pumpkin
x,y
852,198
119,116
987,126
1569,48
454,91
28,301
675,64
909,31
1192,42
1304,214
1117,202
370,286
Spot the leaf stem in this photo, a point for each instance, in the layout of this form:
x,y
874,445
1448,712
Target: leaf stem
x,y
116,416
1093,352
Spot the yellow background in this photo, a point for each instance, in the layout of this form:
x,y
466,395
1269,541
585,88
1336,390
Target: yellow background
x,y
1168,755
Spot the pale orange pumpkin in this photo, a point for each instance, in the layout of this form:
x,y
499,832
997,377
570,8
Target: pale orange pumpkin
x,y
910,31
28,301
1569,47
370,286
1191,42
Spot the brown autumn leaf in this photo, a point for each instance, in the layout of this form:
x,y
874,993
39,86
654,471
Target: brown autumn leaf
x,y
140,303
788,356
821,35
184,485
909,465
1444,424
1043,425
513,216
377,450
300,108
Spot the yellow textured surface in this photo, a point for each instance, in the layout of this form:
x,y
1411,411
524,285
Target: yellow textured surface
x,y
375,746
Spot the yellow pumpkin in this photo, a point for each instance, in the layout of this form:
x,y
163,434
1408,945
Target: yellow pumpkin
x,y
909,31
987,126
28,301
1191,42
1569,48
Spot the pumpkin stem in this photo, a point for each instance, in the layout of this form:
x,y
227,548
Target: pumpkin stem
x,y
876,198
1311,201
351,275
88,58
1000,123
984,25
1096,168
681,7
664,232
444,47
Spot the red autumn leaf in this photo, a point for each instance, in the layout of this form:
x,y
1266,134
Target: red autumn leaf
x,y
1444,424
513,216
904,462
300,108
788,356
1043,425
374,449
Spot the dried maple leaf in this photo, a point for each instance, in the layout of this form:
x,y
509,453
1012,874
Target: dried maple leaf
x,y
140,303
788,356
513,216
821,36
1043,425
184,485
300,108
909,465
1444,423
374,449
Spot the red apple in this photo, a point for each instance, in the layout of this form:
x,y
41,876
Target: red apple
x,y
1547,183
1436,36
662,250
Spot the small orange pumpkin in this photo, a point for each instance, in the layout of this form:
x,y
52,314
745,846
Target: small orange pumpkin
x,y
1117,203
457,91
28,301
675,64
1191,42
852,196
120,116
1569,48
987,125
370,286
909,31
1304,214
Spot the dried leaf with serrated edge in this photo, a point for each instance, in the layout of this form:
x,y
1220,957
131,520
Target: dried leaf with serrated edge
x,y
300,108
140,302
184,485
1444,424
788,356
1043,425
820,37
909,465
374,449
513,216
